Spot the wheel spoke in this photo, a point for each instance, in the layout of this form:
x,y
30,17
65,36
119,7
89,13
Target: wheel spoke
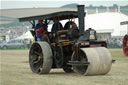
x,y
36,60
37,53
37,65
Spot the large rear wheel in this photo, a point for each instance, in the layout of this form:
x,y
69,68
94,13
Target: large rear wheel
x,y
40,57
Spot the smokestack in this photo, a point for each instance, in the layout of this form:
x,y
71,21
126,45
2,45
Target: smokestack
x,y
81,15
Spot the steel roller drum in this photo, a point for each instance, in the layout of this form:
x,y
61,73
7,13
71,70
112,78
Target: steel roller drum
x,y
99,58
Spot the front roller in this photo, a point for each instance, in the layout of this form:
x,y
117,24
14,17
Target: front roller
x,y
40,57
99,59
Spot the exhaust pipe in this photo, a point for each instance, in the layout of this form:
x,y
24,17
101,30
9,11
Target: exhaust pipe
x,y
81,15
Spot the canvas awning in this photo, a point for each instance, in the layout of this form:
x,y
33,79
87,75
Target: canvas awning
x,y
29,14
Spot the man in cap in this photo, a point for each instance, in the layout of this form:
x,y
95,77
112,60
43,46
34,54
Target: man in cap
x,y
40,30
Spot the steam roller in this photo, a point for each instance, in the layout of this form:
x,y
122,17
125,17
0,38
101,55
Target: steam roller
x,y
73,50
70,47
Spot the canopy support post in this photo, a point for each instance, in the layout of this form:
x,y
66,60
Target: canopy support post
x,y
33,26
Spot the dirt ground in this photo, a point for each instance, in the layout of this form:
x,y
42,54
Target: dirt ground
x,y
14,70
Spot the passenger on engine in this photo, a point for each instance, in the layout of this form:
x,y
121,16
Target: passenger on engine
x,y
40,30
56,26
73,29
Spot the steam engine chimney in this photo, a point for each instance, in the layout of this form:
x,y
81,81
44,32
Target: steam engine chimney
x,y
81,15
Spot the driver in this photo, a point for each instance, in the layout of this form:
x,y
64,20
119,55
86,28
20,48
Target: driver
x,y
40,29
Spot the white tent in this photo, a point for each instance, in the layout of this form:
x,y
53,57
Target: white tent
x,y
107,20
104,21
26,35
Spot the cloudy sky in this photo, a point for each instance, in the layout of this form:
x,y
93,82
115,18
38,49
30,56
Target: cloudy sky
x,y
9,4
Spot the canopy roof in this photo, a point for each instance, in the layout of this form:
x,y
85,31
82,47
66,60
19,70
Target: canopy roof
x,y
29,14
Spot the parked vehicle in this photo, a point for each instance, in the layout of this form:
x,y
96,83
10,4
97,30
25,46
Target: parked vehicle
x,y
12,44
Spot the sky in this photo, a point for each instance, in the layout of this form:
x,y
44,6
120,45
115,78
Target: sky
x,y
10,4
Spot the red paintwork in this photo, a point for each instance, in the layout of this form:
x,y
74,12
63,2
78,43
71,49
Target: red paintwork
x,y
125,45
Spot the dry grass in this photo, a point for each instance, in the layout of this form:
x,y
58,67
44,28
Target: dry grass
x,y
15,70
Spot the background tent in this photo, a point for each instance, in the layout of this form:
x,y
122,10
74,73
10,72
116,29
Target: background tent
x,y
26,35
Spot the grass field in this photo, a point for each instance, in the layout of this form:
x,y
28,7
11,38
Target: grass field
x,y
14,70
